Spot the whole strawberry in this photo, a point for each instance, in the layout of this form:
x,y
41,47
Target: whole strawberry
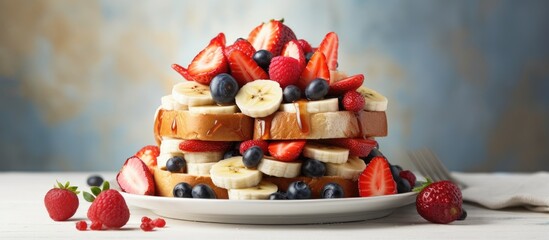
x,y
108,207
61,201
439,202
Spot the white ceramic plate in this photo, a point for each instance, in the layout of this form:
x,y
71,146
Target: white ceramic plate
x,y
272,211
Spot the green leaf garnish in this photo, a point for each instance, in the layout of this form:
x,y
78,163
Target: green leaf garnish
x,y
106,185
95,190
88,197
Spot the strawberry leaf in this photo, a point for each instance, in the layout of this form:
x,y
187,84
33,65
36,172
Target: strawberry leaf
x,y
95,190
423,185
88,196
59,185
106,185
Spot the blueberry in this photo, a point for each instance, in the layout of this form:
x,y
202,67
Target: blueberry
x,y
203,191
463,215
291,93
252,156
332,190
175,164
316,89
374,153
278,196
263,59
308,56
223,88
231,153
95,180
403,186
182,190
313,168
395,171
298,190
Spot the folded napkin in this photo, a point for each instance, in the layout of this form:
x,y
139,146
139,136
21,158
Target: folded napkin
x,y
501,190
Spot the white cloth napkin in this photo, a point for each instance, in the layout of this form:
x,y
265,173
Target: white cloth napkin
x,y
501,190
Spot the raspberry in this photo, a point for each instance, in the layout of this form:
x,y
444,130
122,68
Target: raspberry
x,y
408,175
284,70
147,226
264,145
110,209
159,222
353,101
81,225
145,219
96,226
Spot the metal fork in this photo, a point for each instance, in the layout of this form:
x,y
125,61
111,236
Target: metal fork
x,y
430,166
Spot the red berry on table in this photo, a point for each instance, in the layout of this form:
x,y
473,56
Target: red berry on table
x,y
316,68
61,201
353,101
148,155
286,151
293,49
305,46
347,84
209,62
96,226
264,145
159,222
376,180
203,146
108,208
241,45
135,177
147,226
329,46
81,225
271,36
284,70
357,146
408,175
145,219
244,69
440,202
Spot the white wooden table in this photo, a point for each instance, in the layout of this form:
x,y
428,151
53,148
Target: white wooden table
x,y
23,216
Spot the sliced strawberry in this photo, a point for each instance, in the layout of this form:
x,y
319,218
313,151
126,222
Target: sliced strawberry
x,y
316,68
293,49
357,146
244,69
376,180
209,62
271,36
305,46
203,146
148,155
183,71
264,145
135,177
286,151
347,84
242,45
329,46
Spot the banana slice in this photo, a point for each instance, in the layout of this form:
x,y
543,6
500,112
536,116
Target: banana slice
x,y
214,109
199,169
192,94
164,157
203,157
326,153
277,168
259,98
374,101
170,146
169,103
320,106
232,174
261,191
348,170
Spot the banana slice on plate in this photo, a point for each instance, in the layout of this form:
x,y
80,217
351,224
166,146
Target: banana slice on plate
x,y
232,174
203,157
326,153
277,168
169,103
191,93
259,98
261,191
348,170
374,101
199,169
320,106
214,109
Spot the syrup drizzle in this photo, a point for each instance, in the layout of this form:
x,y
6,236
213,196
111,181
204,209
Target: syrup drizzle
x,y
217,125
302,116
265,126
157,126
174,125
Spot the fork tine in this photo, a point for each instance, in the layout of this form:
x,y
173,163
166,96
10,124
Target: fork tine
x,y
418,163
432,164
437,164
428,165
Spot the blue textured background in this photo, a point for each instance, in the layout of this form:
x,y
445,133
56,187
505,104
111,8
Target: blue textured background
x,y
80,80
